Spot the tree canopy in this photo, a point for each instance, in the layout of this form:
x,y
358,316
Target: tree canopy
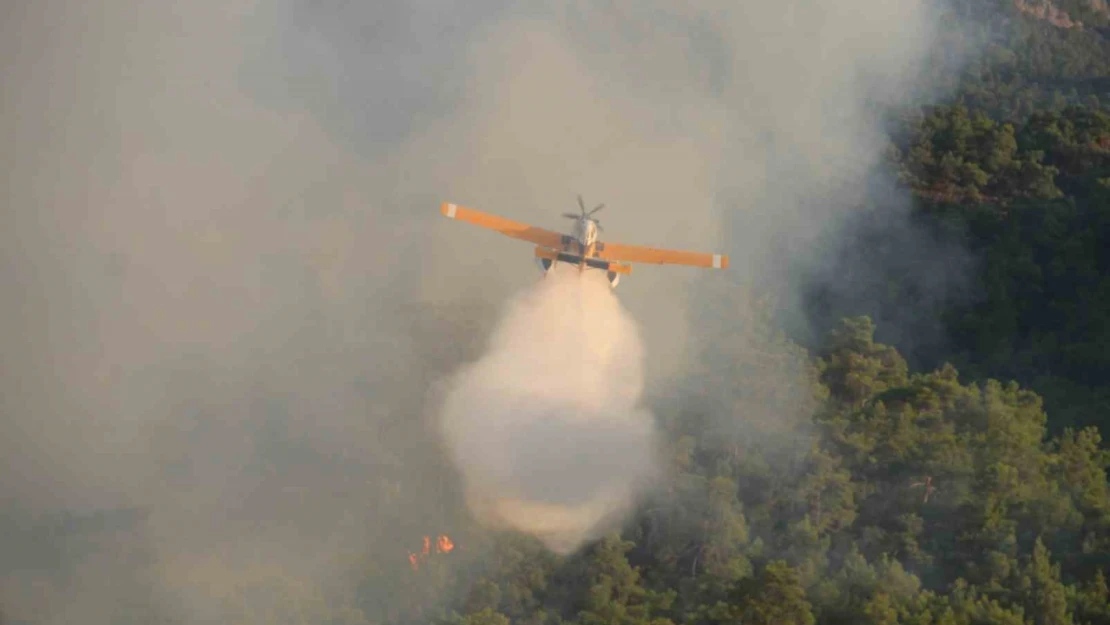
x,y
911,497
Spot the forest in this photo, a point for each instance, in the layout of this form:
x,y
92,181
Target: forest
x,y
901,497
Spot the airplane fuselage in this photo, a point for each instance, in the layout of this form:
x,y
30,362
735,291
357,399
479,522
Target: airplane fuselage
x,y
585,232
580,247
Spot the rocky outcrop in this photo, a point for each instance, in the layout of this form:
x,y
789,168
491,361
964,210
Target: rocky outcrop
x,y
1049,12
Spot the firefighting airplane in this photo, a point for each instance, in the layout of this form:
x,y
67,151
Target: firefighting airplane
x,y
583,247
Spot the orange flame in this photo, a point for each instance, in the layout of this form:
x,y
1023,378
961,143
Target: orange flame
x,y
444,544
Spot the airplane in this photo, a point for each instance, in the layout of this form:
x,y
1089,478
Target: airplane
x,y
582,247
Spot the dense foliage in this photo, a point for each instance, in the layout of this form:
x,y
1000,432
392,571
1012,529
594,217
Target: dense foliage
x,y
908,498
1033,203
1020,56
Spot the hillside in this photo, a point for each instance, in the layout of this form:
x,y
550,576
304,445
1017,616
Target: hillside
x,y
911,498
1029,55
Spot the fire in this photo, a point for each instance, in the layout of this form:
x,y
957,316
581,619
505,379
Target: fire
x,y
444,544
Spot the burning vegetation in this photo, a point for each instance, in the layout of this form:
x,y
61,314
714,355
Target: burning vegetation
x,y
443,545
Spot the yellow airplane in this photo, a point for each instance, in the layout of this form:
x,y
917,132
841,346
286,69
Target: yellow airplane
x,y
582,247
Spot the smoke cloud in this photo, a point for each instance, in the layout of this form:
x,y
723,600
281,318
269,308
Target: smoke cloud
x,y
230,293
546,427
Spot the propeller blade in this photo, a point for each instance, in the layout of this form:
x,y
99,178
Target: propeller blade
x,y
571,216
581,205
597,208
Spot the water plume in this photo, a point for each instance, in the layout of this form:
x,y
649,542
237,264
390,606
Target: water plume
x,y
546,427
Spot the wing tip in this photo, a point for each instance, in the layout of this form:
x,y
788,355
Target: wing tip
x,y
720,261
449,209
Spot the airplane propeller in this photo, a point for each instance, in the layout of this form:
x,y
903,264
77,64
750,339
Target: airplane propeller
x,y
582,206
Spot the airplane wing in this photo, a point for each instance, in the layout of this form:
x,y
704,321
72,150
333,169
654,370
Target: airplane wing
x,y
637,254
507,227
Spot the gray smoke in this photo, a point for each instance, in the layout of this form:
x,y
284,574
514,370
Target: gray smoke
x,y
229,290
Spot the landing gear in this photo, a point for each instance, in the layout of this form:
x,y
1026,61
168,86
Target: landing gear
x,y
546,265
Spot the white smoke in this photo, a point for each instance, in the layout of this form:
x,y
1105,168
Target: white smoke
x,y
233,288
546,427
